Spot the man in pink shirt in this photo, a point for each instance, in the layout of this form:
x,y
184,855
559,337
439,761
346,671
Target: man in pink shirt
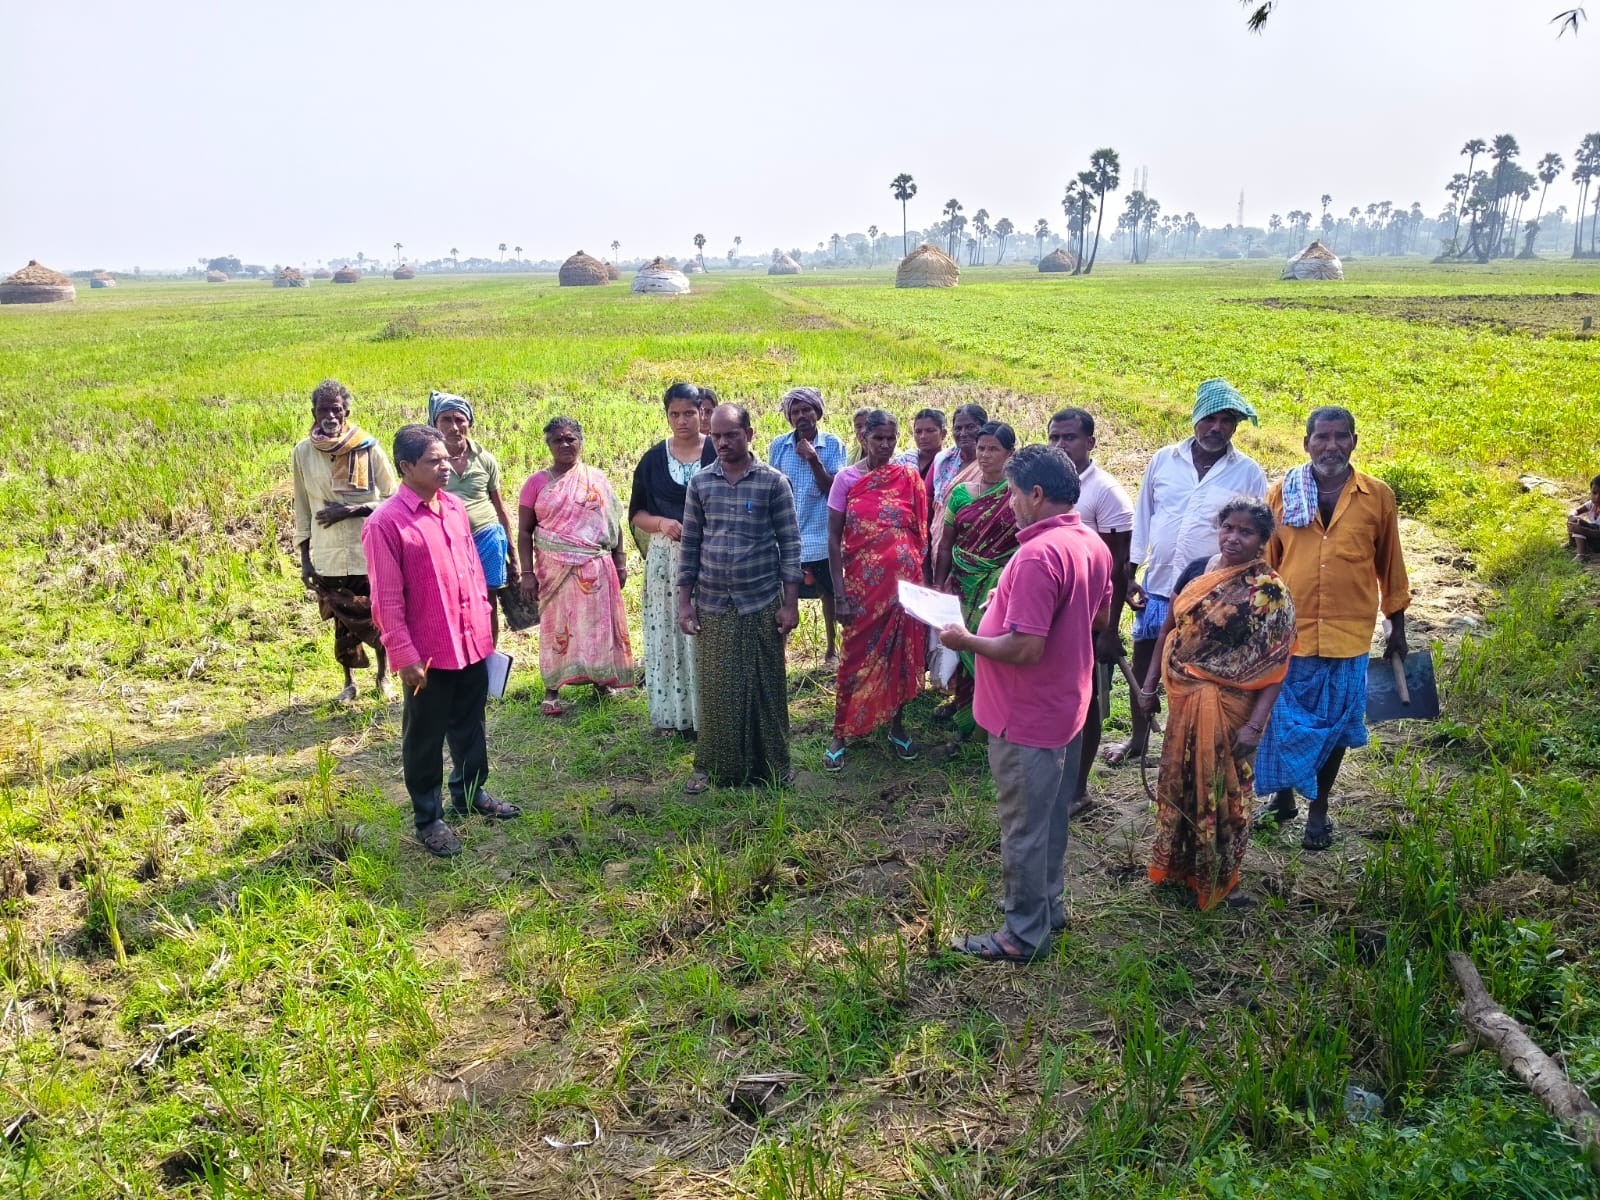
x,y
431,606
1034,652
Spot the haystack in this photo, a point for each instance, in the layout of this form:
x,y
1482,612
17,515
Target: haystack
x,y
927,267
612,272
1059,259
216,277
322,273
659,277
36,285
583,270
405,271
1316,261
782,264
347,275
694,268
102,279
288,277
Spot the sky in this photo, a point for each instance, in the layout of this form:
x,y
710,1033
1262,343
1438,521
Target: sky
x,y
291,132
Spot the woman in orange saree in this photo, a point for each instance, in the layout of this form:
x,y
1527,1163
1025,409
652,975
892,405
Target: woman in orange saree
x,y
877,536
1223,654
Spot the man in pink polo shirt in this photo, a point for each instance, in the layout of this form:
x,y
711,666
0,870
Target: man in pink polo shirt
x,y
431,607
1034,651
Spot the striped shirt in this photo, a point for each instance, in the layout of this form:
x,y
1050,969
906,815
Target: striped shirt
x,y
429,600
741,542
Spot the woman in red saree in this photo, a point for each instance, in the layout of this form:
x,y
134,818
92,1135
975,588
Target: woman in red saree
x,y
1223,652
980,538
877,536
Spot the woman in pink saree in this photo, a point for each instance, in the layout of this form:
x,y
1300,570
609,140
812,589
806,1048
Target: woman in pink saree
x,y
570,528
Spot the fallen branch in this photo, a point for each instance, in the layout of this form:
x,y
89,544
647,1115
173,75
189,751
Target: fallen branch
x,y
1491,1026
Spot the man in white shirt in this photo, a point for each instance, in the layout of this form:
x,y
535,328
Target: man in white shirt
x,y
340,475
1175,522
1104,507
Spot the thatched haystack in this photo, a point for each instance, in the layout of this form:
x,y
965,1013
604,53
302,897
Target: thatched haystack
x,y
288,277
661,278
583,270
102,279
1316,261
35,284
216,277
1058,260
927,267
322,273
694,268
347,275
611,271
782,264
405,271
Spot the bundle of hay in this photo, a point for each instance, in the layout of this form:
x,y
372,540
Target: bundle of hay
x,y
659,277
782,264
403,271
612,272
1059,259
1258,252
288,277
36,285
583,270
322,273
102,279
694,268
346,275
1316,261
216,277
927,267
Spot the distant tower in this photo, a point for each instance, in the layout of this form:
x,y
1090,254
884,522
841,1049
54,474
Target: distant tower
x,y
1240,221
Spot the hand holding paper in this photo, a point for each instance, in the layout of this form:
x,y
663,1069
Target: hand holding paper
x,y
934,609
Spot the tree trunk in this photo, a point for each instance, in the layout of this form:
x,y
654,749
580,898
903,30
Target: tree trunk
x,y
1577,224
1099,220
1491,1026
905,245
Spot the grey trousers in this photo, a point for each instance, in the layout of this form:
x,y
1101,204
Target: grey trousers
x,y
1034,790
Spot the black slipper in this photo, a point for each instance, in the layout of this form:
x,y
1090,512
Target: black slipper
x,y
989,947
1271,812
1318,835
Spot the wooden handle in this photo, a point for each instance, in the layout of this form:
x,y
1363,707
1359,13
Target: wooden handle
x,y
1399,666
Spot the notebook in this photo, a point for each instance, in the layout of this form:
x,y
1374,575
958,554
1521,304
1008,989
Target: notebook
x,y
499,672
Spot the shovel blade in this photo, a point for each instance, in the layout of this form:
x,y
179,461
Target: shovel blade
x,y
1383,697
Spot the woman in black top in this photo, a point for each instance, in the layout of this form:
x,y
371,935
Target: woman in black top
x,y
655,512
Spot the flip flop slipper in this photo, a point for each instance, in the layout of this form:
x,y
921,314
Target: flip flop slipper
x,y
696,784
1317,837
552,708
1271,812
1238,899
833,760
905,748
989,947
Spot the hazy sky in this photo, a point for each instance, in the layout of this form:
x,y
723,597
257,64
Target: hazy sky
x,y
290,131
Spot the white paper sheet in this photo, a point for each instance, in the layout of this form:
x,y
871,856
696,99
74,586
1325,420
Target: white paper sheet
x,y
935,609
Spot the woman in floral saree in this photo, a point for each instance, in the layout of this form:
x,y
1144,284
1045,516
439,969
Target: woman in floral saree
x,y
571,528
877,536
1223,652
980,538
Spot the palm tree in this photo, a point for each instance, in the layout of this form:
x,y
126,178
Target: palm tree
x,y
1041,230
737,242
903,187
616,246
517,250
1326,200
1086,208
455,258
872,240
951,207
1003,229
1503,150
700,249
397,248
980,225
502,250
834,241
1472,149
1107,169
361,258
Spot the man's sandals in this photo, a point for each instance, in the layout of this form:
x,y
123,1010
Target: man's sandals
x,y
486,805
439,840
1318,834
1001,947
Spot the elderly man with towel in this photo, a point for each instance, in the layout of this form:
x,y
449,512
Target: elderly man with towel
x,y
1175,522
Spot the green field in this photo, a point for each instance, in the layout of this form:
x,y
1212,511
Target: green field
x,y
227,970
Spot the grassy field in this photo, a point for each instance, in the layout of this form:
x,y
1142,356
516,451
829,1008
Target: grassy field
x,y
225,970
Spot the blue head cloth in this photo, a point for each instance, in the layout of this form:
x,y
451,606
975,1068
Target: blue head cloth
x,y
443,402
1218,395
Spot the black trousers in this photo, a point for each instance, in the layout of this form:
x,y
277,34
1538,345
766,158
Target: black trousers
x,y
448,709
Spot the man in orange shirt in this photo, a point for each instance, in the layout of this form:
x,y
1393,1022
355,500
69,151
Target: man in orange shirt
x,y
1337,546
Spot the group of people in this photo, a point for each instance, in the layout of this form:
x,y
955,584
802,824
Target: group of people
x,y
1254,607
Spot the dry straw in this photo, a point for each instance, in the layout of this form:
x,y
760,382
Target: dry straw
x,y
216,277
346,275
405,271
782,264
1316,261
36,284
1058,260
288,277
102,279
583,270
659,277
927,267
